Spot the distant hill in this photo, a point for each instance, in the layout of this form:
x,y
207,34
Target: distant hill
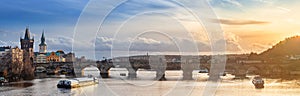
x,y
289,46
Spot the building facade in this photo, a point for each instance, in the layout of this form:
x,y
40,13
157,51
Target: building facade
x,y
11,62
16,54
47,57
41,58
70,57
53,57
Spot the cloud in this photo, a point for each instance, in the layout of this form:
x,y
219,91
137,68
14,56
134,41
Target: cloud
x,y
146,40
239,22
146,44
260,47
233,2
9,43
59,43
227,4
3,43
180,45
285,10
231,42
103,43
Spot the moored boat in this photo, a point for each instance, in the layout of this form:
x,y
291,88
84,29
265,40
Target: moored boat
x,y
3,80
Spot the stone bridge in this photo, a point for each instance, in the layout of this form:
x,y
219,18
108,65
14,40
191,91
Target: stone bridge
x,y
239,68
55,66
161,63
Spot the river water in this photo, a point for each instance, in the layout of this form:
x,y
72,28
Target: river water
x,y
146,85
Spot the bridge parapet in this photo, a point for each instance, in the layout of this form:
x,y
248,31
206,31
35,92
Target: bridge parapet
x,y
216,65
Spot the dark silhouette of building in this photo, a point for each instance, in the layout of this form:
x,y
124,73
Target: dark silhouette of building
x,y
27,45
28,55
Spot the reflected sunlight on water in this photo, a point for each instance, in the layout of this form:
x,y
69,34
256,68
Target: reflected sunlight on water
x,y
146,85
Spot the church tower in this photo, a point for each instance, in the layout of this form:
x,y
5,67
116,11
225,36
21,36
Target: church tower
x,y
42,45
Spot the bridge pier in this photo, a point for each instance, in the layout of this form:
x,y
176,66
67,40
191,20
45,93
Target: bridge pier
x,y
187,71
78,74
187,68
132,72
187,75
104,74
241,74
160,75
159,64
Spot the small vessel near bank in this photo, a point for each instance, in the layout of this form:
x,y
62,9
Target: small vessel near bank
x,y
258,82
76,82
3,80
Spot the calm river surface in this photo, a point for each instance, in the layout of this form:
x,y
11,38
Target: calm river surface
x,y
145,85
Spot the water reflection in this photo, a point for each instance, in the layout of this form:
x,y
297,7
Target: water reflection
x,y
15,85
21,84
40,75
63,90
145,85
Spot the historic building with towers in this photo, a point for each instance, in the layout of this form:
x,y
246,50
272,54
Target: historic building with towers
x,y
42,56
19,63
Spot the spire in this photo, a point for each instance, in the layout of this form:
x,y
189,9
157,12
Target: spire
x,y
43,39
27,34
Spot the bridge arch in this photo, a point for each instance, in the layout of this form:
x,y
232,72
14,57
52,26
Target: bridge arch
x,y
40,66
276,71
204,69
40,69
230,70
90,70
90,65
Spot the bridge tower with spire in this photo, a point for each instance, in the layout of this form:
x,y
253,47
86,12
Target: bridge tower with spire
x,y
28,55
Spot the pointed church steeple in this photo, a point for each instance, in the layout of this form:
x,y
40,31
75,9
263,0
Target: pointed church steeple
x,y
43,46
43,39
27,34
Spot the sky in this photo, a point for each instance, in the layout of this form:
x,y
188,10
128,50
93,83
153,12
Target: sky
x,y
111,28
